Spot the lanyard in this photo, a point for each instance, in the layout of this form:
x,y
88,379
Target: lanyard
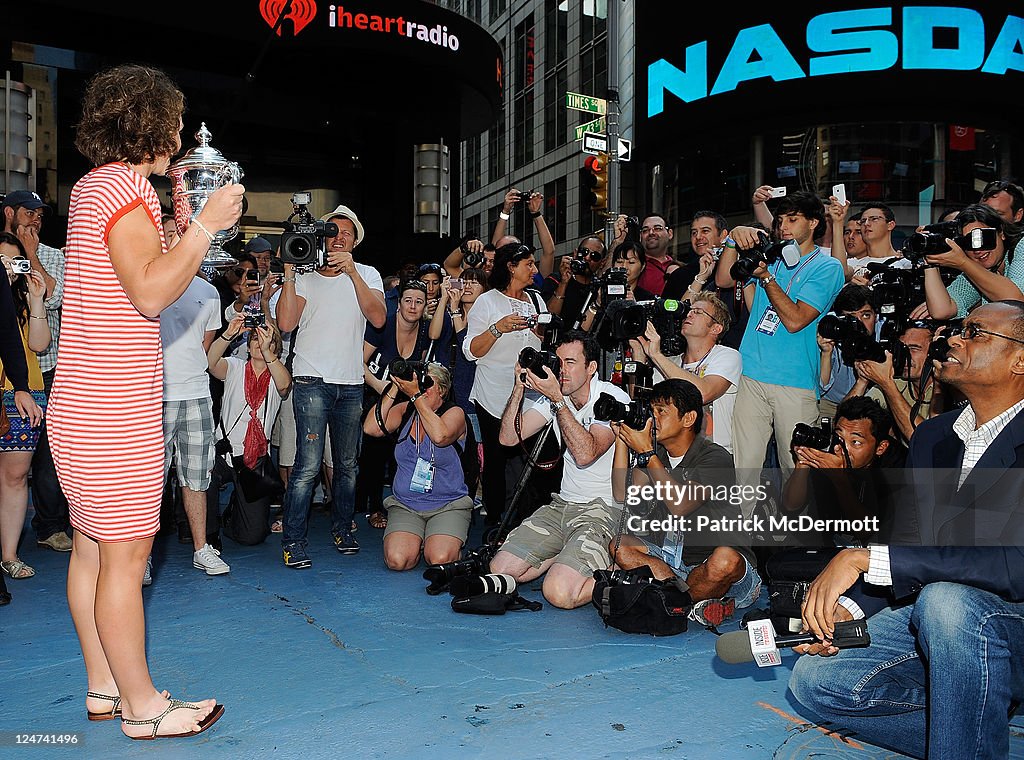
x,y
792,279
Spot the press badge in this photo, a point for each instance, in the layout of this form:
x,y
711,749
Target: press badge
x,y
769,322
422,477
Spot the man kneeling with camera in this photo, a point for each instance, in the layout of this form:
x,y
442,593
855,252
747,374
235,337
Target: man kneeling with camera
x,y
568,538
699,473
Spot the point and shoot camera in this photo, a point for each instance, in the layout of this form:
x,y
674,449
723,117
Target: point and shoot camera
x,y
20,265
304,242
765,252
932,240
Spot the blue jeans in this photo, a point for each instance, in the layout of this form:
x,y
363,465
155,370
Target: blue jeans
x,y
318,406
937,681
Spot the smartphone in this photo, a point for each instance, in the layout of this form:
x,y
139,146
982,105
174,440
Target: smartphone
x,y
455,284
778,192
253,275
839,191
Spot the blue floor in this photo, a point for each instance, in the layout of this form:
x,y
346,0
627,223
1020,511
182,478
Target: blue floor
x,y
348,659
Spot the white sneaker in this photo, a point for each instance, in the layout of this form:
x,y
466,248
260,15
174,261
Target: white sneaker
x,y
208,559
147,578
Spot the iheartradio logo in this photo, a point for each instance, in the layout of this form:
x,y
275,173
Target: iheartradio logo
x,y
301,13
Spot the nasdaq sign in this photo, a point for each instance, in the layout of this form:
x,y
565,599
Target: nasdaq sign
x,y
844,42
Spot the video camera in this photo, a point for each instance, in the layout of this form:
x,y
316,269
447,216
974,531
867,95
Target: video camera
x,y
849,333
635,414
304,242
765,252
932,240
613,285
535,361
625,320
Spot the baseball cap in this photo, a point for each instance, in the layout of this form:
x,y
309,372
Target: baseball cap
x,y
346,213
258,245
25,199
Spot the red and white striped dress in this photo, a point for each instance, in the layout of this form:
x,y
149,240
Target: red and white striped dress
x,y
105,412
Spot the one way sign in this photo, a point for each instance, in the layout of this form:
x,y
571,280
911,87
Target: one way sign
x,y
625,149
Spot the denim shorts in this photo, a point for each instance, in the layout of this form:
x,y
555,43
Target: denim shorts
x,y
745,591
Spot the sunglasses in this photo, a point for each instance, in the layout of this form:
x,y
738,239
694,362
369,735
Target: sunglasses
x,y
430,269
415,285
972,331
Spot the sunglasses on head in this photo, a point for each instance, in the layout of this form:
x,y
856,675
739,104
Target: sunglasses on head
x,y
430,269
415,285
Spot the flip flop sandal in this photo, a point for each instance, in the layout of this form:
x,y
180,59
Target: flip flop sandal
x,y
378,520
176,704
17,569
115,710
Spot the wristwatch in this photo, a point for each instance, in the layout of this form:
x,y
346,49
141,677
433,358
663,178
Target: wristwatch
x,y
644,458
766,281
493,330
557,405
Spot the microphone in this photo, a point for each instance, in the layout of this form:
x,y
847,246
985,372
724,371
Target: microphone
x,y
760,644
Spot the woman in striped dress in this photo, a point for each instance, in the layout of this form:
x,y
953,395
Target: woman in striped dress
x,y
104,418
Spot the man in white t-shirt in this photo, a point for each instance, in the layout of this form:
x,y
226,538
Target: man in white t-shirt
x,y
715,369
187,328
877,222
568,538
328,309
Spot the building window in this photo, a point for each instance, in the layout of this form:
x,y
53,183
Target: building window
x,y
473,163
473,227
474,9
496,150
497,8
522,93
555,207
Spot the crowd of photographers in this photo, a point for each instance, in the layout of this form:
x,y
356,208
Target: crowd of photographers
x,y
617,407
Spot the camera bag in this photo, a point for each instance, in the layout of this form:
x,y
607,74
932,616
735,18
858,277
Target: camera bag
x,y
635,602
790,573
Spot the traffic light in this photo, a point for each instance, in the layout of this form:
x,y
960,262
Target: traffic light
x,y
594,182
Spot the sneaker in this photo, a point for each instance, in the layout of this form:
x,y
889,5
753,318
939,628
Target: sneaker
x,y
711,612
346,544
208,559
147,577
59,542
295,557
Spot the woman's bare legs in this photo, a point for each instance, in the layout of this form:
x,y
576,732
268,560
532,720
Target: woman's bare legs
x,y
110,621
14,467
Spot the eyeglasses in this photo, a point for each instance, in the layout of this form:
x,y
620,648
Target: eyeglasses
x,y
655,228
972,331
871,219
698,310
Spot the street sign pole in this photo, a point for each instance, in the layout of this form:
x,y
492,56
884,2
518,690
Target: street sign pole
x,y
612,118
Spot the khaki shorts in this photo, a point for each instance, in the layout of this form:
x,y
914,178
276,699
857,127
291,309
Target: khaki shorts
x,y
576,535
450,520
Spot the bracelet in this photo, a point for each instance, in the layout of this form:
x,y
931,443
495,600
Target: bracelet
x,y
535,214
730,243
275,359
287,279
200,225
416,396
33,316
560,298
505,217
766,281
227,338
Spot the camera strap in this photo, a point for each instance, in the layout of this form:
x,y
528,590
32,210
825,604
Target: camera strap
x,y
518,424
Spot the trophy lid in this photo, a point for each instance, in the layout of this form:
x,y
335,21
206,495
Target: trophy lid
x,y
205,155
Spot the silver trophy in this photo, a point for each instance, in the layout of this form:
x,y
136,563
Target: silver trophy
x,y
194,177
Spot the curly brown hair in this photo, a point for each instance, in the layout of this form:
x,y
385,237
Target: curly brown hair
x,y
129,113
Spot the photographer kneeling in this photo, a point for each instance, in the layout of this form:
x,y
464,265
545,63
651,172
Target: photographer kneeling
x,y
429,506
720,577
568,538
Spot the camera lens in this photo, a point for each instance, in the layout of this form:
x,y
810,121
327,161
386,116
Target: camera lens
x,y
298,248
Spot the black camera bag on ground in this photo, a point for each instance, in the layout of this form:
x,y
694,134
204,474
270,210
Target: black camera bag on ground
x,y
247,517
635,602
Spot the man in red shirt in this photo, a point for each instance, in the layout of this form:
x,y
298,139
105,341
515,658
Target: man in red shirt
x,y
656,236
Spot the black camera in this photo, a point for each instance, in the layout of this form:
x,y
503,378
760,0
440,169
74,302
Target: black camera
x,y
535,361
622,321
635,414
821,438
304,242
849,333
613,285
667,315
403,369
253,317
579,266
476,562
470,259
765,252
932,240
